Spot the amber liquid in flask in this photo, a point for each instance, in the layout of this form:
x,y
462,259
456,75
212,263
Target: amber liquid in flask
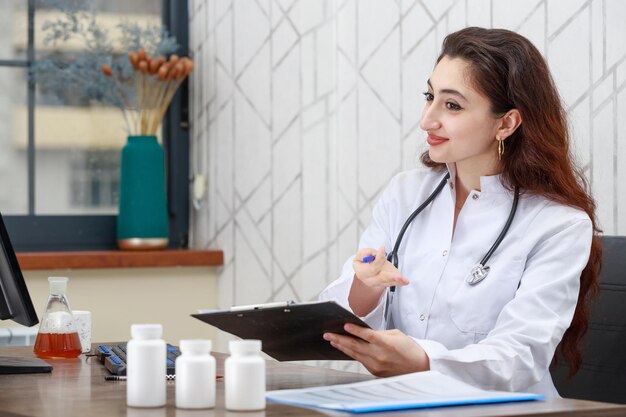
x,y
58,336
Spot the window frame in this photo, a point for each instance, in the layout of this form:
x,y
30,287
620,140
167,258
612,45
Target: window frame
x,y
32,232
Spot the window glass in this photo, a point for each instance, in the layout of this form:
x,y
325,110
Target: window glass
x,y
14,33
13,141
61,192
78,139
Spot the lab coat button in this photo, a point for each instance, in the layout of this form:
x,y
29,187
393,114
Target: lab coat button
x,y
475,196
444,253
422,317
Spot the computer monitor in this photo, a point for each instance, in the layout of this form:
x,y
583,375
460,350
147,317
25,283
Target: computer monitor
x,y
16,305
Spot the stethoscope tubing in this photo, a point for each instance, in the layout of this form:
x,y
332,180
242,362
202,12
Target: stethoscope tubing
x,y
393,256
504,231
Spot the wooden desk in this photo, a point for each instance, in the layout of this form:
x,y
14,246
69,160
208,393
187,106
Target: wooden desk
x,y
77,388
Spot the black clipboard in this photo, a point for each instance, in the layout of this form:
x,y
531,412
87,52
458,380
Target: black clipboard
x,y
288,331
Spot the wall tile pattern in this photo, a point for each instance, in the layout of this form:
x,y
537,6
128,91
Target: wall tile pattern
x,y
304,109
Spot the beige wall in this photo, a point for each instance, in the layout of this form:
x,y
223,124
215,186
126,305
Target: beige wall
x,y
119,297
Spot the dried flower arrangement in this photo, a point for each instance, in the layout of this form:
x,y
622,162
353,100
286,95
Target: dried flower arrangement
x,y
118,72
156,82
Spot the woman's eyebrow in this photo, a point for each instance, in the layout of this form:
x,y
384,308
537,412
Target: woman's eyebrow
x,y
448,91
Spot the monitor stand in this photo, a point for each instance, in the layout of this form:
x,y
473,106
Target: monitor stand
x,y
9,365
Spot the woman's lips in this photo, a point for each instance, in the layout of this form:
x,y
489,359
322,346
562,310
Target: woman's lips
x,y
434,140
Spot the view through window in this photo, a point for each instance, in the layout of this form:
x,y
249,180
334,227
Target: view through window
x,y
60,152
75,140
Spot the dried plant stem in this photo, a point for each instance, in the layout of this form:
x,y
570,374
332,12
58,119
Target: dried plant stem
x,y
168,95
144,123
138,100
152,86
155,82
156,120
126,122
127,107
153,105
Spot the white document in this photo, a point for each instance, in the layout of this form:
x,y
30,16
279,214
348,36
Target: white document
x,y
416,390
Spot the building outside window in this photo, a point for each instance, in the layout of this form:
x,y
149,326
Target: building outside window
x,y
95,180
60,153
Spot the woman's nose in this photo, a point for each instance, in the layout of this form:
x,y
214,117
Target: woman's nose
x,y
429,121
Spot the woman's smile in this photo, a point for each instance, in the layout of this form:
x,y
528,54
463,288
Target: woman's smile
x,y
434,140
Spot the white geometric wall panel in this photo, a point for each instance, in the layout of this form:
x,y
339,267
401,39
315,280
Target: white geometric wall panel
x,y
304,109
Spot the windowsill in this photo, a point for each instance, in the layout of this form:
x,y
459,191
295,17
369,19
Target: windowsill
x,y
119,259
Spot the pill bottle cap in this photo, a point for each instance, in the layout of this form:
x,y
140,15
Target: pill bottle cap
x,y
244,346
146,331
195,346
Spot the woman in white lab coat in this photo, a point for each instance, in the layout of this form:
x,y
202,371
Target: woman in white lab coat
x,y
494,122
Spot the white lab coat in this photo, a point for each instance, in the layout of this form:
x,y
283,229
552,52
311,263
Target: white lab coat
x,y
502,332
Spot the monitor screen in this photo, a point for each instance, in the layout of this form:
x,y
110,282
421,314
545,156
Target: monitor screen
x,y
15,302
16,305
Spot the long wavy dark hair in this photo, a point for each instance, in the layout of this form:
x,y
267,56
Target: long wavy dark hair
x,y
511,73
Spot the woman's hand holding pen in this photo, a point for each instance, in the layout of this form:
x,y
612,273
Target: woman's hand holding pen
x,y
373,269
372,274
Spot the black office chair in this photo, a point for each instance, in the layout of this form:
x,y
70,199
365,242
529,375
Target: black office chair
x,y
602,375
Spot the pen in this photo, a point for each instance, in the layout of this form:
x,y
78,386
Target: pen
x,y
123,377
370,258
262,306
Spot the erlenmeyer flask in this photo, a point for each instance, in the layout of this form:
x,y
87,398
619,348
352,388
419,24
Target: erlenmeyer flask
x,y
57,337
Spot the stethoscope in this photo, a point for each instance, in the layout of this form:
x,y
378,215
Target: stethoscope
x,y
479,272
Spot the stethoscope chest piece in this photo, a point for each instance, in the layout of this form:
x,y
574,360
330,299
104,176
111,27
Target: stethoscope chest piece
x,y
477,274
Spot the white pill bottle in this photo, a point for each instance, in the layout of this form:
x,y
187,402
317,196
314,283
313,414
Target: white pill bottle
x,y
244,376
195,375
145,366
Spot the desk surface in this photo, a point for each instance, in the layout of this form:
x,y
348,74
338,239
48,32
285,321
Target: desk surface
x,y
76,387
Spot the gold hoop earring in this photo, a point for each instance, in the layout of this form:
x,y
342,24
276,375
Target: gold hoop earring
x,y
500,149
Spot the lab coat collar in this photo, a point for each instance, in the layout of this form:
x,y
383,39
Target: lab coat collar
x,y
488,183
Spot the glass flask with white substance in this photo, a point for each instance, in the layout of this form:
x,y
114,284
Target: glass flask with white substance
x,y
58,336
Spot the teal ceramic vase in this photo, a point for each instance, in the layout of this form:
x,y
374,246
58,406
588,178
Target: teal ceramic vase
x,y
142,219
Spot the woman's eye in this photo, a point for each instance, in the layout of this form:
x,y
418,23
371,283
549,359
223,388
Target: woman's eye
x,y
428,96
453,106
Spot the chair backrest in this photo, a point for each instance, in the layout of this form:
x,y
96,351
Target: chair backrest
x,y
602,376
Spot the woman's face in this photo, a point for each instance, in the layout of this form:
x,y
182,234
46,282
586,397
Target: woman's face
x,y
458,120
